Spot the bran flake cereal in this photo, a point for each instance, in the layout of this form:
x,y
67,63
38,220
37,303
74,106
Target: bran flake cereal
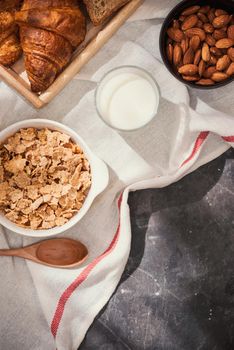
x,y
44,178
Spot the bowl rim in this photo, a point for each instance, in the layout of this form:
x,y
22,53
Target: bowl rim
x,y
96,165
171,15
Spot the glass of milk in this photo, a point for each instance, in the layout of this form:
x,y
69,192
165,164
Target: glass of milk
x,y
127,98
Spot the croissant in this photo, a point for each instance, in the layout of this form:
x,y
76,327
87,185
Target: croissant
x,y
10,49
50,30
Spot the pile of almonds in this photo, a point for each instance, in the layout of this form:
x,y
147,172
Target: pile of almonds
x,y
201,45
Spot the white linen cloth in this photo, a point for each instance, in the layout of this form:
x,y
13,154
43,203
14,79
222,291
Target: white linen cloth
x,y
43,308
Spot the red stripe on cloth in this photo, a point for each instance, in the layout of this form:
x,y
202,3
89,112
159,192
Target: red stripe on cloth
x,y
199,141
228,138
80,279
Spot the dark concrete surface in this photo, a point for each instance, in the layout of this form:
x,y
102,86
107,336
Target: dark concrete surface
x,y
177,292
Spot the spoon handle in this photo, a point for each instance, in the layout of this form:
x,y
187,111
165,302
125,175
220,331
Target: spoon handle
x,y
9,252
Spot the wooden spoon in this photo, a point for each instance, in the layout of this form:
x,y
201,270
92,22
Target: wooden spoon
x,y
58,252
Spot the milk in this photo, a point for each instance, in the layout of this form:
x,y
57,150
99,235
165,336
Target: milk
x,y
127,98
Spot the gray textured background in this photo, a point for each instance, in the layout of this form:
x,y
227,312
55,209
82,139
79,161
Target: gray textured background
x,y
177,292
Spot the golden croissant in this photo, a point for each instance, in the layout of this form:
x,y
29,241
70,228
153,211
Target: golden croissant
x,y
50,30
10,49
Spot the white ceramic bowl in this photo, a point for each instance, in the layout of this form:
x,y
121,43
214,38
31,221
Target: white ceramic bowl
x,y
99,171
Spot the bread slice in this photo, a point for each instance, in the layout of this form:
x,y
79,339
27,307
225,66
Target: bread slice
x,y
100,10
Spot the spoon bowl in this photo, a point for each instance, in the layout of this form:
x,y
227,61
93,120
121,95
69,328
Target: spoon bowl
x,y
58,252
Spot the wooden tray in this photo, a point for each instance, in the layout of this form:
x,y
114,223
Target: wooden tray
x,y
96,37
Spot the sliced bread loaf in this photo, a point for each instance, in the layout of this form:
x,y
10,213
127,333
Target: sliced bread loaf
x,y
100,10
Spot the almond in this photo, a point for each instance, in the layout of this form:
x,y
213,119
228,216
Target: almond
x,y
213,60
220,12
230,32
197,57
202,17
201,68
175,24
219,34
230,70
209,72
205,52
184,45
175,34
210,40
191,78
223,63
205,82
188,69
170,52
221,21
208,28
215,51
189,22
177,54
204,9
230,53
194,42
190,10
196,31
211,15
219,76
188,56
224,43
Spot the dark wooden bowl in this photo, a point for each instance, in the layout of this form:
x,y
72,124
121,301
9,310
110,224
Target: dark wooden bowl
x,y
227,5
